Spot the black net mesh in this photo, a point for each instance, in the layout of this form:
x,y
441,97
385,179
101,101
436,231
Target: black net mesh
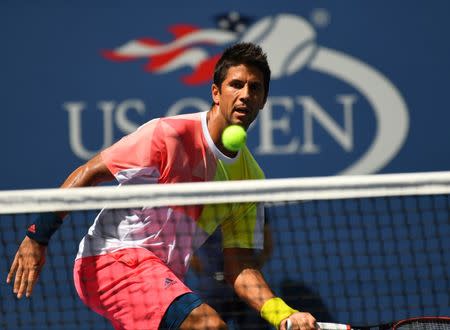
x,y
358,261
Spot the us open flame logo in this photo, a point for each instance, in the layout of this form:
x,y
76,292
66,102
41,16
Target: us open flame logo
x,y
290,42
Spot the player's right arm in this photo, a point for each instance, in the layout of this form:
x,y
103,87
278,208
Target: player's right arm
x,y
30,256
92,173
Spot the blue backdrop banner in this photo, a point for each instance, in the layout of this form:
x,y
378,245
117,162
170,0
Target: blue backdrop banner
x,y
357,87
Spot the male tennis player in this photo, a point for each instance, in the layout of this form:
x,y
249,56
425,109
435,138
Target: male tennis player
x,y
131,263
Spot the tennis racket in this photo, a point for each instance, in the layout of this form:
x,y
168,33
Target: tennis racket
x,y
415,323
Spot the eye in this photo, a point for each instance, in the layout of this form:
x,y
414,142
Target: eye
x,y
236,84
256,87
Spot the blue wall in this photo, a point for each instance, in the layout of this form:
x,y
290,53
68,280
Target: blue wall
x,y
372,84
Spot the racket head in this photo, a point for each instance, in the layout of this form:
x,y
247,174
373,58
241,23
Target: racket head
x,y
423,323
414,323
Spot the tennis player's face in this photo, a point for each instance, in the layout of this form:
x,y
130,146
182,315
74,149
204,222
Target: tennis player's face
x,y
241,95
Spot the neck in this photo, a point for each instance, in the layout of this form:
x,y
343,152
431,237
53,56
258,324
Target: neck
x,y
216,124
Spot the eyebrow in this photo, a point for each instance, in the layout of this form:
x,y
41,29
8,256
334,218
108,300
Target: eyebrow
x,y
251,82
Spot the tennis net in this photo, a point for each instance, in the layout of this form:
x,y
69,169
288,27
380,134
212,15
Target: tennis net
x,y
355,249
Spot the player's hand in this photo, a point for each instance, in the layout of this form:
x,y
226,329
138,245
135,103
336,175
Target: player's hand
x,y
26,267
300,321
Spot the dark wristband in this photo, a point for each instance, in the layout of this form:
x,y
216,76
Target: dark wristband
x,y
44,227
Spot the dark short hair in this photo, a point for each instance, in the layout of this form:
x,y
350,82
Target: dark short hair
x,y
242,53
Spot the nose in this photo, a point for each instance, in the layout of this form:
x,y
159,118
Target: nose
x,y
244,92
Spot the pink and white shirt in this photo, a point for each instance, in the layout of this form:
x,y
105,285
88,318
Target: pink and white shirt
x,y
171,150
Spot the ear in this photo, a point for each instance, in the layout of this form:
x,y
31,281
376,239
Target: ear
x,y
215,93
264,103
265,100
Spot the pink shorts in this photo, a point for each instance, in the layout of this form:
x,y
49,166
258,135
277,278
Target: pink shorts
x,y
131,287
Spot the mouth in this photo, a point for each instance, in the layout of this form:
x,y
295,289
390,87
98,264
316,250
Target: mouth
x,y
242,115
242,110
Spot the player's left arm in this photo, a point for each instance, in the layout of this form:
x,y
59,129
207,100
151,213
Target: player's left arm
x,y
241,271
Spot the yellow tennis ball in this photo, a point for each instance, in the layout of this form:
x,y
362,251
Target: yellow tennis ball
x,y
234,137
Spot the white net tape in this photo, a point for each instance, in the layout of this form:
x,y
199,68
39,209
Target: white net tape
x,y
270,190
